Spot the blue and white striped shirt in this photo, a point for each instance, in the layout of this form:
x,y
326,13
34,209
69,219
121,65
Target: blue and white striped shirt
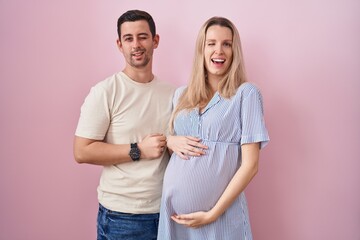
x,y
197,184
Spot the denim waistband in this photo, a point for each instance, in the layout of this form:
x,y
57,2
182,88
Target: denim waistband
x,y
144,216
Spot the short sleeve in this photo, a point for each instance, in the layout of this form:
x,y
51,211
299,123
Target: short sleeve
x,y
177,94
95,115
253,128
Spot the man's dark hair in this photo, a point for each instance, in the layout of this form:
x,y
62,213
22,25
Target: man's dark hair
x,y
136,15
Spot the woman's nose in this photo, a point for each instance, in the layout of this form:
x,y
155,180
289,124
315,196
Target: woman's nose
x,y
219,49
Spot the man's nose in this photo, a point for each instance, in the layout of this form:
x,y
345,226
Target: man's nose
x,y
136,43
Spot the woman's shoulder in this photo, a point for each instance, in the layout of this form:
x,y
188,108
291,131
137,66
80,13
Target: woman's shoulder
x,y
180,89
247,88
178,93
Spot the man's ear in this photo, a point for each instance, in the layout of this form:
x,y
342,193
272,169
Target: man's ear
x,y
119,44
156,41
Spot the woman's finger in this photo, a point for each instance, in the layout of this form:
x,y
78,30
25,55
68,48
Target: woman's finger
x,y
194,150
182,155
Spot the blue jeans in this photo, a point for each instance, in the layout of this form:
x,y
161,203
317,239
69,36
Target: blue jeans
x,y
113,225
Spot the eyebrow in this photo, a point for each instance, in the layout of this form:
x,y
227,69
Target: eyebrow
x,y
213,40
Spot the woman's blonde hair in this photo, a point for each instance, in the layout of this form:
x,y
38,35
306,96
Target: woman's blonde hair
x,y
198,92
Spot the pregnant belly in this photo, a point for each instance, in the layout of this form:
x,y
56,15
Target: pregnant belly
x,y
196,184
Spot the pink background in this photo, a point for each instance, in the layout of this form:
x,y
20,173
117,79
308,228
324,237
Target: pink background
x,y
304,56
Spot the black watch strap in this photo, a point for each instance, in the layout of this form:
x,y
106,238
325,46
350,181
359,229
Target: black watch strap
x,y
134,152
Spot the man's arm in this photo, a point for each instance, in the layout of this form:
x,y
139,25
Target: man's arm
x,y
100,153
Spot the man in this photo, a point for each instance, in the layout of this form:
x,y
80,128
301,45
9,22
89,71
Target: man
x,y
122,127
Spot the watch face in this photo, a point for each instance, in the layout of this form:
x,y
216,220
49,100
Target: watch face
x,y
135,153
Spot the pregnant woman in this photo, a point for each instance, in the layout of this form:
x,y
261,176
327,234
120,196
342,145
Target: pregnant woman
x,y
217,130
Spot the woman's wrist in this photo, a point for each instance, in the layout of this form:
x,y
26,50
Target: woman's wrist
x,y
214,214
169,142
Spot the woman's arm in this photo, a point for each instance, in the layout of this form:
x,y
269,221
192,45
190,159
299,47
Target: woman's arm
x,y
243,176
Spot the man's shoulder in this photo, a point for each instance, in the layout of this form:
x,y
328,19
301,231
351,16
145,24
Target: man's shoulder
x,y
111,84
109,81
165,85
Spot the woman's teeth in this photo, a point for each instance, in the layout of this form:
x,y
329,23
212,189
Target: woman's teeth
x,y
216,60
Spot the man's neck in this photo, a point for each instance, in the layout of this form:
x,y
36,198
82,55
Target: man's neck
x,y
139,75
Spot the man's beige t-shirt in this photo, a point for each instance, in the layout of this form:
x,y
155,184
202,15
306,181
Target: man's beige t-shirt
x,y
119,110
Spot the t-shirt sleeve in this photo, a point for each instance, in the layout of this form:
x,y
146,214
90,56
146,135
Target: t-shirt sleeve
x,y
177,94
253,128
95,115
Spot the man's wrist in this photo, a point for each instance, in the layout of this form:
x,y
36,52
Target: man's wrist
x,y
134,152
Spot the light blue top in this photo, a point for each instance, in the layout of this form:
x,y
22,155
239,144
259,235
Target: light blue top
x,y
197,184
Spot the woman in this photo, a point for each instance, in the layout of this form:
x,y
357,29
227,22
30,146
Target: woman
x,y
218,131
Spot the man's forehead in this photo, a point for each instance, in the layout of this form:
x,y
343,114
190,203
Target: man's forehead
x,y
135,28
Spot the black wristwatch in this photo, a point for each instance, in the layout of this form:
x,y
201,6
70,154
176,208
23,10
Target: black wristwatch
x,y
134,152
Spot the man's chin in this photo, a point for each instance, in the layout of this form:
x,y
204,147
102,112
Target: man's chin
x,y
139,64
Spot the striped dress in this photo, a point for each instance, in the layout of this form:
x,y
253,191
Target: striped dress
x,y
196,184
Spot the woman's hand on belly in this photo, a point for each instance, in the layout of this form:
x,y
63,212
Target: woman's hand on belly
x,y
195,219
185,146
